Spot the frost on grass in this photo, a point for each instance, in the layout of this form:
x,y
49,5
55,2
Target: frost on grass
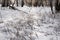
x,y
36,25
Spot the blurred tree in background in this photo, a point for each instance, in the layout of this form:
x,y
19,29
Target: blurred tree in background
x,y
30,3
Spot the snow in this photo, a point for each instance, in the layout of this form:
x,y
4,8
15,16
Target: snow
x,y
32,23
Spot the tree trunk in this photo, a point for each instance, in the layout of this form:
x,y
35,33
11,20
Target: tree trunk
x,y
51,5
42,2
17,2
22,3
5,3
56,5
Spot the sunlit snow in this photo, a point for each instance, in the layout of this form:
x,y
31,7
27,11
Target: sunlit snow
x,y
31,23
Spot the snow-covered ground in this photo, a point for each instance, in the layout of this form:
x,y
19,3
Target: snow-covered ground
x,y
32,23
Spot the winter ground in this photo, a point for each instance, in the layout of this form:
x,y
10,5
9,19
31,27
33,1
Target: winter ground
x,y
34,23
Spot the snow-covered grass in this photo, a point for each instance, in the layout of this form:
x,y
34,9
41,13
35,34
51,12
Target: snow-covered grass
x,y
36,24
